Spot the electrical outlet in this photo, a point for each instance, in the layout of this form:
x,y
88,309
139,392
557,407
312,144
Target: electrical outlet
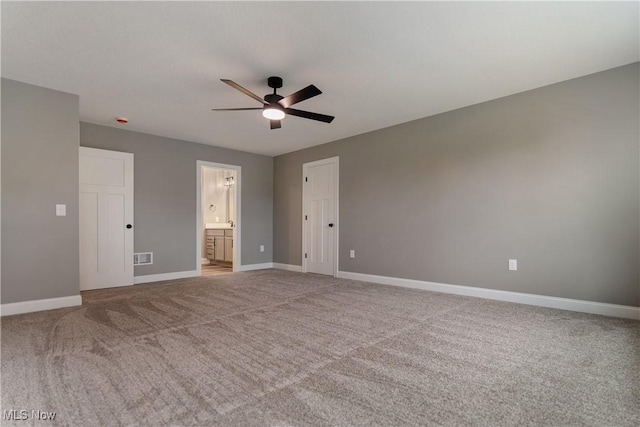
x,y
352,253
261,248
61,210
513,265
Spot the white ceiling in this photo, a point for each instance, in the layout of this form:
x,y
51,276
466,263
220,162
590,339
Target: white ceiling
x,y
378,63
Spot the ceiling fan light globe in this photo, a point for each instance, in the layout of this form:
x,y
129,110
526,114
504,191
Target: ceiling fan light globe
x,y
273,114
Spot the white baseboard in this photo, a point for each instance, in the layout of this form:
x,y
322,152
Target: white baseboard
x,y
288,267
194,273
605,309
250,267
39,305
266,265
165,276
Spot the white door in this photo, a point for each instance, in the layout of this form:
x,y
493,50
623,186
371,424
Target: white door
x,y
320,216
106,219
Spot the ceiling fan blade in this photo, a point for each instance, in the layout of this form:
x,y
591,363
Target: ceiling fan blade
x,y
309,115
306,93
245,91
275,124
235,109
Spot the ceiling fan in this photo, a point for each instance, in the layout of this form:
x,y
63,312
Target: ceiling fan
x,y
275,107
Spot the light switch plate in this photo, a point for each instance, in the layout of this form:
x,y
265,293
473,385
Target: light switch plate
x,y
61,210
261,248
513,265
352,253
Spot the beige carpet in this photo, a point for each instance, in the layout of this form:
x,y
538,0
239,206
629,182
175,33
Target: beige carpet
x,y
279,348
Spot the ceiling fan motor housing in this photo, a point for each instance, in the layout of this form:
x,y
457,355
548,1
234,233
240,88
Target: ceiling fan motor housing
x,y
272,98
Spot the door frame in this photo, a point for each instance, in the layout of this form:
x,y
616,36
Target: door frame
x,y
200,164
336,207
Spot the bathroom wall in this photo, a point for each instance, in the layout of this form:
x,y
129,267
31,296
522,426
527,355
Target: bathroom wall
x,y
214,192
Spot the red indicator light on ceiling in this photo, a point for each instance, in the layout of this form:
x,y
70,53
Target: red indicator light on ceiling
x,y
122,120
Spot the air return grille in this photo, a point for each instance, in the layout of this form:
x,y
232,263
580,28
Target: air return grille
x,y
143,258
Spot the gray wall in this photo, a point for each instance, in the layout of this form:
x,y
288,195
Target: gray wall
x,y
40,139
549,177
165,196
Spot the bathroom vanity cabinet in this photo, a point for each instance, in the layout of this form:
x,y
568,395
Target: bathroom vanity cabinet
x,y
228,246
219,245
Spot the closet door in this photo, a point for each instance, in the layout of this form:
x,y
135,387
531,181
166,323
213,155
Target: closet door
x,y
106,218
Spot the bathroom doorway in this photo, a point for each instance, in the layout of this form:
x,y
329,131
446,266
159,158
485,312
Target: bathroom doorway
x,y
218,218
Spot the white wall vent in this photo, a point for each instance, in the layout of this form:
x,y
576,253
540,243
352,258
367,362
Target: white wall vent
x,y
143,258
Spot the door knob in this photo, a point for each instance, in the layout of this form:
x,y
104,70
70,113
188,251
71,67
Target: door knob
x,y
330,224
129,226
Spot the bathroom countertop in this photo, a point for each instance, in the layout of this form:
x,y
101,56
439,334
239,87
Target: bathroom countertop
x,y
218,226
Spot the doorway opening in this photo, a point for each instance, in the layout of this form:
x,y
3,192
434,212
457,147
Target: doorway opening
x,y
218,218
